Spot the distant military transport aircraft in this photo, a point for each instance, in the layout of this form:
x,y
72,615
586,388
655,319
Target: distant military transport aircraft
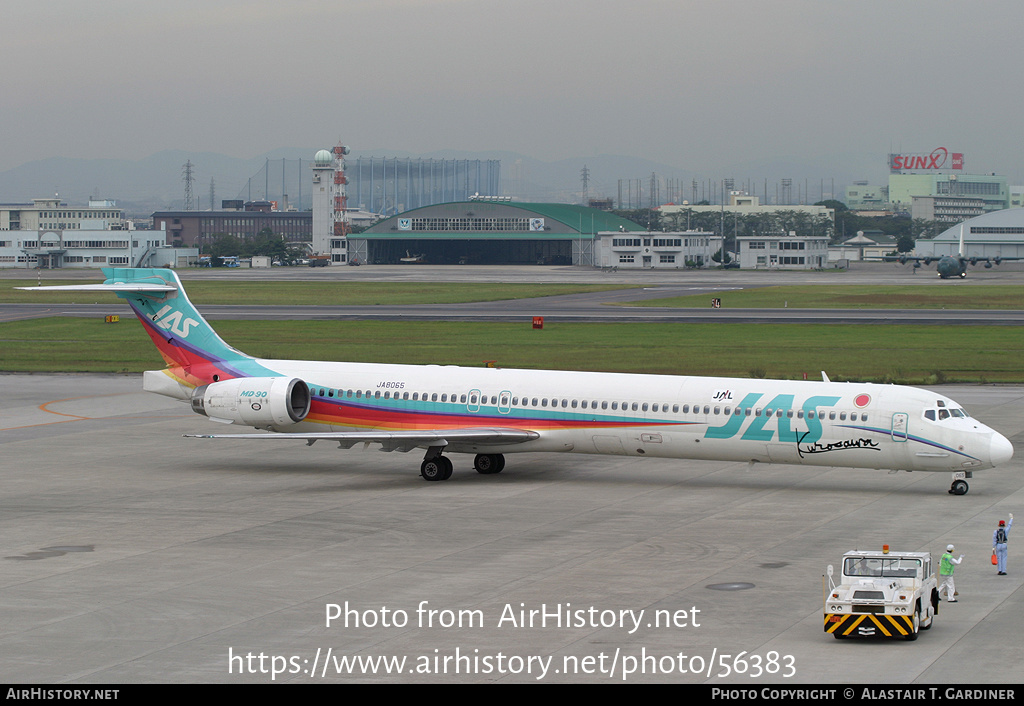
x,y
949,266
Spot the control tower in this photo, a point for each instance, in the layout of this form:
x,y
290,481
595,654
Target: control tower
x,y
330,204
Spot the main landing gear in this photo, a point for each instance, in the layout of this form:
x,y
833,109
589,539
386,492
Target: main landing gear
x,y
438,467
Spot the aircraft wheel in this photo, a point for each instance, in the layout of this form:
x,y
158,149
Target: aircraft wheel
x,y
437,468
959,487
489,464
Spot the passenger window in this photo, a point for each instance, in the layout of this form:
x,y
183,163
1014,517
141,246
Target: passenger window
x,y
707,409
832,416
675,408
544,402
842,416
644,406
686,409
573,404
604,404
615,405
789,413
433,397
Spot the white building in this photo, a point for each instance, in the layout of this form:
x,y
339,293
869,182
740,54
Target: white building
x,y
791,252
744,204
52,214
996,234
55,249
654,249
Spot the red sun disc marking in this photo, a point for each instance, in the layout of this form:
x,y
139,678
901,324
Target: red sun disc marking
x,y
862,400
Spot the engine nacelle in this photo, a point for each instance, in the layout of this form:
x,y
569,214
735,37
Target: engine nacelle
x,y
255,402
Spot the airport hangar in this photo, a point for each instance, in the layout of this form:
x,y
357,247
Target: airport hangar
x,y
496,231
992,235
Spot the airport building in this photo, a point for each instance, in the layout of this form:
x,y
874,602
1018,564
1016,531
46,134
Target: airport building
x,y
56,249
654,249
996,234
53,214
793,252
244,221
488,230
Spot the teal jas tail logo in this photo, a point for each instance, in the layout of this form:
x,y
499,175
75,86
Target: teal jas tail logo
x,y
175,322
745,418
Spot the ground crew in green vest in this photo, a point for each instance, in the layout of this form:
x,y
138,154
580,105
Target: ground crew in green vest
x,y
999,538
947,564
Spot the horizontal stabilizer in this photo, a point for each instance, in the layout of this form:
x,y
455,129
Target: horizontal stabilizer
x,y
105,287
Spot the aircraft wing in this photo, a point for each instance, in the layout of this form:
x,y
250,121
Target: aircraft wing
x,y
403,440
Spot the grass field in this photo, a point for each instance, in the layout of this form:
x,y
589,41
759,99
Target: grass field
x,y
858,296
904,354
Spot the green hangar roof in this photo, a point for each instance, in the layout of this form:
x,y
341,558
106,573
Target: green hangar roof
x,y
498,220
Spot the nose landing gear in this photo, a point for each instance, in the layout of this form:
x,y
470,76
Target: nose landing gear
x,y
959,487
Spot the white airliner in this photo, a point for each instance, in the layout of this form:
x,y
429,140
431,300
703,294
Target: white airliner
x,y
490,412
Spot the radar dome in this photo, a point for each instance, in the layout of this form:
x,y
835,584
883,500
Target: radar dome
x,y
323,158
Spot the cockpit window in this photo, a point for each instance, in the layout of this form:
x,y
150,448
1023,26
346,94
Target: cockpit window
x,y
943,414
957,412
929,414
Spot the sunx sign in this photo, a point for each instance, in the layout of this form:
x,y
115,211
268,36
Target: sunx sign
x,y
174,321
752,428
939,158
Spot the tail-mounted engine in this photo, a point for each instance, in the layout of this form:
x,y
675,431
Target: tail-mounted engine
x,y
255,402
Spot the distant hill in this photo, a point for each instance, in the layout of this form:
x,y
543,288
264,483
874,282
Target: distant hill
x,y
155,182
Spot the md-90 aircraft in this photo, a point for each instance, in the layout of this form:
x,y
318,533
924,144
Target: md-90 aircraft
x,y
490,412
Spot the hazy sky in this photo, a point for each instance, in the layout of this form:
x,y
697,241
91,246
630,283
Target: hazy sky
x,y
698,85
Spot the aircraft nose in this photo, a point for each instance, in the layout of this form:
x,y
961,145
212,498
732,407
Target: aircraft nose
x,y
1000,449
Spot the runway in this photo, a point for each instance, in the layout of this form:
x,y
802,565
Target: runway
x,y
133,555
587,307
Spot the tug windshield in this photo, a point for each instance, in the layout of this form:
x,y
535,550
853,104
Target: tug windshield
x,y
875,567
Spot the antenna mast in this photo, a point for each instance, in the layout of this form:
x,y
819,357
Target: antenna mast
x,y
189,179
